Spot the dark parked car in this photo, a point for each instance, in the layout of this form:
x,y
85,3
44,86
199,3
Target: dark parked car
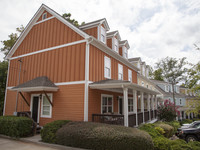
x,y
190,132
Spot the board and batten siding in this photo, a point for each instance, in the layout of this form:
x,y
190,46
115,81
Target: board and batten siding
x,y
47,34
92,32
96,66
61,65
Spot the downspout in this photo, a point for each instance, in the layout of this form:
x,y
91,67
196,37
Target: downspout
x,y
20,67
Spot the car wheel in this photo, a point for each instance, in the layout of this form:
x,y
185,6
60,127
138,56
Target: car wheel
x,y
191,138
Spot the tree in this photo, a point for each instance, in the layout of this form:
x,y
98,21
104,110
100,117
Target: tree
x,y
157,75
172,71
8,44
67,16
196,47
3,77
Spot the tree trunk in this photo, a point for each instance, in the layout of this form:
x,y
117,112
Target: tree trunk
x,y
173,94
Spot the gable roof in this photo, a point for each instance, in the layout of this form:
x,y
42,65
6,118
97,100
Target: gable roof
x,y
96,22
114,33
124,42
134,59
34,19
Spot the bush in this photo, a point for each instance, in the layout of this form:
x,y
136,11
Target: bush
x,y
185,121
150,128
195,145
91,135
174,124
180,145
160,130
48,133
15,126
169,130
161,143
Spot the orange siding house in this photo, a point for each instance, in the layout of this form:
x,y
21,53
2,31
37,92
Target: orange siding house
x,y
59,71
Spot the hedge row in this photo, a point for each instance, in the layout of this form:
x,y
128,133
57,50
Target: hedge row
x,y
91,135
48,133
15,126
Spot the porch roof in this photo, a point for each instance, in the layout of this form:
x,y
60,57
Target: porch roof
x,y
37,84
119,84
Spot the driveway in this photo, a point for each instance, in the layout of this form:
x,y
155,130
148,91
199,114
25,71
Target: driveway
x,y
8,144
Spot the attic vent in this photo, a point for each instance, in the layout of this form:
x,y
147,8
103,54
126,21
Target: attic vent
x,y
44,16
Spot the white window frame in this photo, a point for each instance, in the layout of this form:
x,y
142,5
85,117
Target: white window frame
x,y
120,66
130,99
138,65
115,43
125,52
50,114
105,95
44,14
180,101
130,75
107,67
142,83
103,32
143,70
166,88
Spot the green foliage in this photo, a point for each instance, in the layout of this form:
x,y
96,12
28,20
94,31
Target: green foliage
x,y
185,121
8,44
15,126
157,75
174,124
160,130
161,143
150,128
169,130
48,133
180,145
195,145
91,135
67,16
3,77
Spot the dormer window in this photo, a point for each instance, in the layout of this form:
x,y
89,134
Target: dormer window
x,y
129,75
116,45
143,70
138,65
103,35
44,16
125,52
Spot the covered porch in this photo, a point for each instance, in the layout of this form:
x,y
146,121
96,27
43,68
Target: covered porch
x,y
135,104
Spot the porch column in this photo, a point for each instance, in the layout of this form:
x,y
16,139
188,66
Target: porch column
x,y
125,94
142,105
148,106
152,104
135,106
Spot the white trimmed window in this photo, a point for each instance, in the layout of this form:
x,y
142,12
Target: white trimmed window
x,y
130,105
44,16
180,101
106,104
143,70
125,52
142,83
138,65
103,35
120,72
107,67
129,75
116,45
167,88
46,109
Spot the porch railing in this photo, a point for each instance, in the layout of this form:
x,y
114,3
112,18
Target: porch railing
x,y
140,118
108,119
151,114
146,116
132,120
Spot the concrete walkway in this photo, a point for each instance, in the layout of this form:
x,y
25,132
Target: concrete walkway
x,y
30,143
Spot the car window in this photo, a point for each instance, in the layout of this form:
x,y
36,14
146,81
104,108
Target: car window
x,y
196,125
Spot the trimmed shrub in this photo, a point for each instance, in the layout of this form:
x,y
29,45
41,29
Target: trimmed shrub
x,y
169,130
185,121
150,128
15,126
161,143
48,133
96,136
180,145
195,145
174,124
160,130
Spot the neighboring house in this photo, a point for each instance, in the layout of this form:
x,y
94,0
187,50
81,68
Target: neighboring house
x,y
191,101
59,71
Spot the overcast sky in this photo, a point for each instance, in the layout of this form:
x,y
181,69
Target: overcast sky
x,y
154,28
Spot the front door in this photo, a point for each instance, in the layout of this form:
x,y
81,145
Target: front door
x,y
120,106
35,105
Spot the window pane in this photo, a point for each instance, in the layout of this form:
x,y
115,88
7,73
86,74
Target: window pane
x,y
104,109
110,109
45,101
47,113
109,101
104,100
46,108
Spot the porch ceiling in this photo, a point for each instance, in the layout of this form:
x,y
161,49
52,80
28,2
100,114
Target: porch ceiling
x,y
117,85
37,84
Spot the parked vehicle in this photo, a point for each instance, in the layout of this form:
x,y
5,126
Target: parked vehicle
x,y
189,132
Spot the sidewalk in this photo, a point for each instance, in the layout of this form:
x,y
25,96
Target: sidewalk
x,y
30,143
